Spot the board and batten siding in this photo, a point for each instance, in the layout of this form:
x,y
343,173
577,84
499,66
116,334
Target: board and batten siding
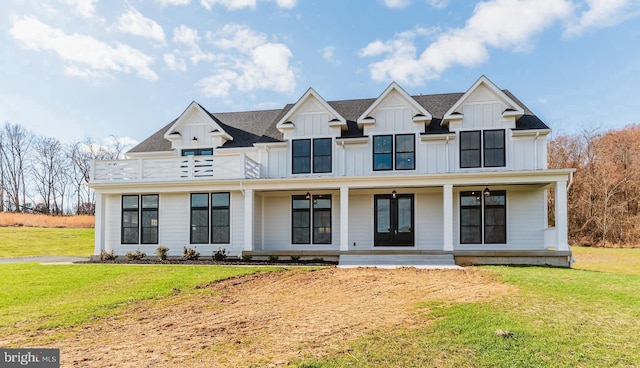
x,y
428,222
360,221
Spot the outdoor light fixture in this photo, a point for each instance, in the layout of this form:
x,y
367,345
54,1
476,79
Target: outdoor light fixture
x,y
486,191
195,139
394,193
307,196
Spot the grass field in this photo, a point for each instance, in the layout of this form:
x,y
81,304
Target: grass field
x,y
34,296
36,241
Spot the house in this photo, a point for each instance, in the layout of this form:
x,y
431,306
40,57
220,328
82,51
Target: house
x,y
456,177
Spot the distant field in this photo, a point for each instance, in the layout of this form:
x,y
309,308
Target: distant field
x,y
37,241
37,220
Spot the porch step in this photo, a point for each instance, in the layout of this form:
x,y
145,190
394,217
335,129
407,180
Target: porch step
x,y
398,260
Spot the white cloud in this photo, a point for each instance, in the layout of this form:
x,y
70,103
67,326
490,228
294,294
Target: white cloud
x,y
601,14
84,55
242,4
189,38
396,4
250,63
505,24
328,54
83,8
440,4
174,63
135,23
173,2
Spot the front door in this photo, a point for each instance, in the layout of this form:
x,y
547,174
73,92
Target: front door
x,y
393,220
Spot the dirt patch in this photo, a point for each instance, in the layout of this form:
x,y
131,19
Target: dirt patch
x,y
267,319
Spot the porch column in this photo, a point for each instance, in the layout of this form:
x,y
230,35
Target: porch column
x,y
99,212
562,241
344,219
248,219
447,216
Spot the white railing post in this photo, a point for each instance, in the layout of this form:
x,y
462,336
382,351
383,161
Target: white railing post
x,y
447,216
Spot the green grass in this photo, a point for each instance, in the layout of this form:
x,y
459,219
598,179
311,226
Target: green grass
x,y
35,241
34,296
622,260
557,318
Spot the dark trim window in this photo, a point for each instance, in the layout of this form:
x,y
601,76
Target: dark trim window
x,y
149,228
302,154
482,150
476,210
197,152
307,213
494,153
199,233
389,154
130,220
220,210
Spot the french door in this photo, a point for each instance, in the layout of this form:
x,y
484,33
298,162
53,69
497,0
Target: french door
x,y
393,220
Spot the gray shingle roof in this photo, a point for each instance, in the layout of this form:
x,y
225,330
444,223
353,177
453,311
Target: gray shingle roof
x,y
249,127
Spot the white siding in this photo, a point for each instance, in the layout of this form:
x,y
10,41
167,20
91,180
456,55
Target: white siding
x,y
360,221
357,159
277,163
428,221
257,221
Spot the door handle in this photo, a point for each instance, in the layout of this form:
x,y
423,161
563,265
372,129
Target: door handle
x,y
395,231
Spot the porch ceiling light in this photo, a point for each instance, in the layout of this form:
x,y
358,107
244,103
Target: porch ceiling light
x,y
486,191
394,193
307,196
195,139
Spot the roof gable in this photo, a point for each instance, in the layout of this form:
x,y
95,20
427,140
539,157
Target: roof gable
x,y
394,95
483,90
311,101
196,113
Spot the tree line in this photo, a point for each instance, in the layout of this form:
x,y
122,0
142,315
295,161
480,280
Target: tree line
x,y
43,175
604,196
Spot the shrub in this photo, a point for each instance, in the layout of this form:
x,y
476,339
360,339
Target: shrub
x,y
136,256
318,260
107,256
273,258
161,253
190,254
295,258
220,254
246,257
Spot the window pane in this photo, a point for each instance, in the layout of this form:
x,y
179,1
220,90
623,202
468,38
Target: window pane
x,y
220,200
322,164
130,235
321,202
130,201
220,234
149,235
301,235
150,201
382,144
405,212
404,143
405,161
301,165
470,140
150,218
302,148
199,217
383,215
130,219
301,153
470,217
495,198
470,198
301,218
188,152
493,139
470,159
494,158
200,200
206,152
301,203
322,226
220,217
199,234
382,161
322,147
470,235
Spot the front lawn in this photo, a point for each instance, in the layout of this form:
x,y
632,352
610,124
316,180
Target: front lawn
x,y
39,241
34,296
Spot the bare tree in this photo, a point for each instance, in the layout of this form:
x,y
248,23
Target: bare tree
x,y
49,171
15,150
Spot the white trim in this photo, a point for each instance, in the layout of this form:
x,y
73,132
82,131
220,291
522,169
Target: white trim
x,y
284,124
529,132
181,120
366,117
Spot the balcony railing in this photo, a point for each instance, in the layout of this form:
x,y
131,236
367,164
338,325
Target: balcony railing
x,y
175,168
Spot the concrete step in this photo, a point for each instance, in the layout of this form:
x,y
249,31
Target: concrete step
x,y
397,260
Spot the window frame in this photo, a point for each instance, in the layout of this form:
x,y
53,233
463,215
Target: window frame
x,y
315,156
388,153
294,211
316,211
226,208
485,149
396,152
193,227
299,157
136,217
483,223
196,152
312,214
478,149
393,152
144,210
482,149
311,160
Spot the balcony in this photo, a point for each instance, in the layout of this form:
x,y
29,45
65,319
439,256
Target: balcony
x,y
174,169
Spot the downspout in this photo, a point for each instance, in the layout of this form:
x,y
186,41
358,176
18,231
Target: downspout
x,y
570,181
535,151
446,153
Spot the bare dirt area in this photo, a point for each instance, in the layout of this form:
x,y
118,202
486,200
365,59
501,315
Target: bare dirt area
x,y
267,319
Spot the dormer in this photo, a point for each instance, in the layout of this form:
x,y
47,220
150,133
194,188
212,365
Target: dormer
x,y
394,110
484,105
195,129
311,116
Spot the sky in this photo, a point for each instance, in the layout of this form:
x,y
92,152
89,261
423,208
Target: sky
x,y
78,69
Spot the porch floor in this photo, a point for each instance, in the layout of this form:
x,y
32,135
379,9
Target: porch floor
x,y
390,260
